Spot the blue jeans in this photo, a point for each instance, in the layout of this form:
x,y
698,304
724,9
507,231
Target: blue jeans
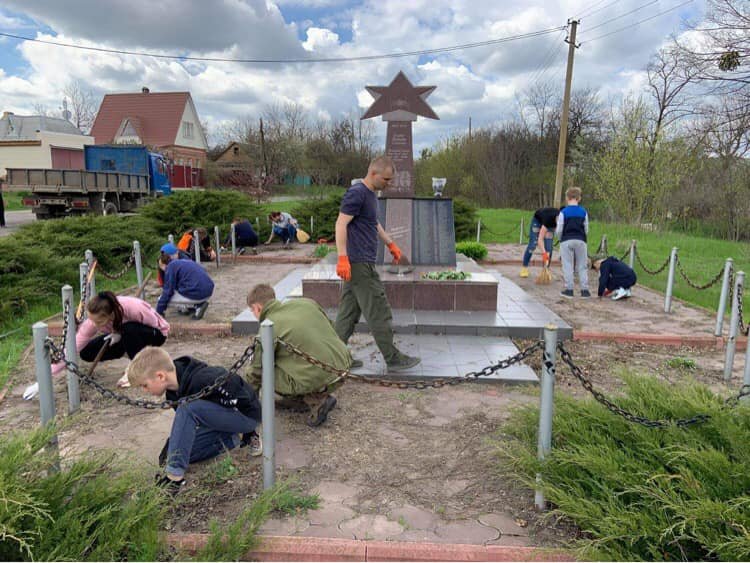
x,y
202,430
287,234
534,229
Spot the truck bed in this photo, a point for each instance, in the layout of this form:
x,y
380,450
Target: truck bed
x,y
76,181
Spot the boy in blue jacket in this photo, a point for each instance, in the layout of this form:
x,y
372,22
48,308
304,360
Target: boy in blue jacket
x,y
572,231
186,285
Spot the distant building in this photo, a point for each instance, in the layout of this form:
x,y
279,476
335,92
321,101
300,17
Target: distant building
x,y
235,153
165,121
39,141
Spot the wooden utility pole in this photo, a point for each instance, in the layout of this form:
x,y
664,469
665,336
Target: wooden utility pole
x,y
571,40
470,129
263,147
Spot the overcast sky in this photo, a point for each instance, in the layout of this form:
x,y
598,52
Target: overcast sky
x,y
481,83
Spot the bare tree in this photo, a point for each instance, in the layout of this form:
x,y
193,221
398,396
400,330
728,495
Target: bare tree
x,y
81,104
542,101
42,109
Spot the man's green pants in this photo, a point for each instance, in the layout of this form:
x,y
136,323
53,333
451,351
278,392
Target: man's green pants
x,y
364,295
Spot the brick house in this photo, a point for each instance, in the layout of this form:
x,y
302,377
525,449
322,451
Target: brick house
x,y
164,121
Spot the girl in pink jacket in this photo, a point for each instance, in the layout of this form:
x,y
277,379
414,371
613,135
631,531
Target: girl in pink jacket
x,y
128,324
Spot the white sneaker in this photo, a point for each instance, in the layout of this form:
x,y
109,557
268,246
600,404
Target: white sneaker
x,y
628,293
619,294
31,391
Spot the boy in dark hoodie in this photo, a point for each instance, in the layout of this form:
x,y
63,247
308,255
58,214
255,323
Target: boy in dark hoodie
x,y
615,278
203,428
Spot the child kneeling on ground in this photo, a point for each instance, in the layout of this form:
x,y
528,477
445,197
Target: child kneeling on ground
x,y
203,428
615,278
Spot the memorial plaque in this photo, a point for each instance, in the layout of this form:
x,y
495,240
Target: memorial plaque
x,y
398,146
435,236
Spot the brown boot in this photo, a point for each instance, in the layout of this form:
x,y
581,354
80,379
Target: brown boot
x,y
320,405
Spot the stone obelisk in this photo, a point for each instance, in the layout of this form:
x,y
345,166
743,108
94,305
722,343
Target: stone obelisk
x,y
399,104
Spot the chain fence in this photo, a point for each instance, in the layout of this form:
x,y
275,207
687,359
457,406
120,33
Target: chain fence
x,y
646,269
85,292
57,355
513,230
716,279
116,276
744,328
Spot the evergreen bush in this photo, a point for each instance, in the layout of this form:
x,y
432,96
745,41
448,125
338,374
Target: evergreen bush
x,y
637,493
464,218
473,250
325,211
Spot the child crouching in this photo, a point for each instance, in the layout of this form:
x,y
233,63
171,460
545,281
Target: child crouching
x,y
202,428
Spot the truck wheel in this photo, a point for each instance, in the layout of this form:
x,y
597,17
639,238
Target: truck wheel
x,y
109,209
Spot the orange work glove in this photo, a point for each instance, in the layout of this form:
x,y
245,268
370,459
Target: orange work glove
x,y
344,268
395,251
545,258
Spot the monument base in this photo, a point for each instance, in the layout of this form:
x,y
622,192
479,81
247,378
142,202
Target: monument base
x,y
409,290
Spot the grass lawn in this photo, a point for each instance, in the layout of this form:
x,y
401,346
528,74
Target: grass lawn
x,y
12,200
702,258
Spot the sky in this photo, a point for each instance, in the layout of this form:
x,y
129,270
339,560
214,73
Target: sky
x,y
481,83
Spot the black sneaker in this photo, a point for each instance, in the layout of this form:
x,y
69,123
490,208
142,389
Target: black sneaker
x,y
585,293
403,363
356,364
567,293
241,251
170,486
200,310
321,415
253,442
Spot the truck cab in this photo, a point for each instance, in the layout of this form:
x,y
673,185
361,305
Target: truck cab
x,y
159,174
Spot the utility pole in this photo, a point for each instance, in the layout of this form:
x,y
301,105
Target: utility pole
x,y
571,40
470,129
263,147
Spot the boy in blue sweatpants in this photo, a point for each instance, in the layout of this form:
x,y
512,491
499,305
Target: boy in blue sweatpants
x,y
572,231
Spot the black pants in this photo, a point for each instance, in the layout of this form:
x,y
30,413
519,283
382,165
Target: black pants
x,y
135,337
2,210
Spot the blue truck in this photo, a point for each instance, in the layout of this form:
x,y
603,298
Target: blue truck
x,y
117,178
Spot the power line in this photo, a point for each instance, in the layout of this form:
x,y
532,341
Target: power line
x,y
622,15
283,61
640,21
547,60
602,8
594,5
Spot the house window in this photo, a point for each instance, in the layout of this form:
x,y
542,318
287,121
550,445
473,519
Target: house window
x,y
187,129
236,151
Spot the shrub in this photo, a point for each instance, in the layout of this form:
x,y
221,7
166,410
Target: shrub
x,y
325,211
322,250
640,493
464,218
184,210
95,509
473,250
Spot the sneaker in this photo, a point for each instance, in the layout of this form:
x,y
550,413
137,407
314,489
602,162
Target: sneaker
x,y
183,310
253,442
619,294
171,486
403,363
321,415
200,310
524,272
567,293
356,364
628,293
585,293
241,251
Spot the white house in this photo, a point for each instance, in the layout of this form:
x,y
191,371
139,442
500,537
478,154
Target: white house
x,y
39,141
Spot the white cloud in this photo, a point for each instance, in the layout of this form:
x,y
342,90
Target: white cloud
x,y
320,39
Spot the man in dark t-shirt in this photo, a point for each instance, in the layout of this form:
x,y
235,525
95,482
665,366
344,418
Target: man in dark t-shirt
x,y
541,231
357,232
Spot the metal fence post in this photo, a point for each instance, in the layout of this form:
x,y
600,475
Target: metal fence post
x,y
197,247
170,238
44,380
479,229
312,224
218,246
670,281
734,325
257,225
83,270
546,404
268,406
603,244
722,309
71,354
138,267
233,236
746,373
631,255
520,235
90,261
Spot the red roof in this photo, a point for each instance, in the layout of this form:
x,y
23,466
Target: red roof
x,y
157,115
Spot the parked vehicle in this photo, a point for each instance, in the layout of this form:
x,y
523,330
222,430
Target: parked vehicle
x,y
117,178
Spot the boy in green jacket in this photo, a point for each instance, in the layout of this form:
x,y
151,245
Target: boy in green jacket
x,y
303,324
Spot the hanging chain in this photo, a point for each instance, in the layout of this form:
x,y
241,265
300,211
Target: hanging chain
x,y
643,421
57,356
85,295
740,317
659,270
416,384
500,235
695,285
129,264
734,400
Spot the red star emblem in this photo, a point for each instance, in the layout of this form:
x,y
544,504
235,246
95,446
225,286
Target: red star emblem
x,y
400,94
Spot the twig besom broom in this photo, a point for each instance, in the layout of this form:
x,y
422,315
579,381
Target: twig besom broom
x,y
545,276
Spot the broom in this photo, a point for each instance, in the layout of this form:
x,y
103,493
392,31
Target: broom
x,y
545,276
